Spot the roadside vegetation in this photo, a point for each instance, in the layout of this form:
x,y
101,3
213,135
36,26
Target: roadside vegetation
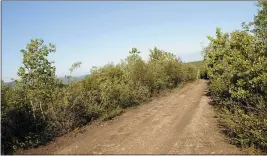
x,y
202,70
40,107
236,65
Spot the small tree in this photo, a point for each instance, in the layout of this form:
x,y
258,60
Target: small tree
x,y
38,79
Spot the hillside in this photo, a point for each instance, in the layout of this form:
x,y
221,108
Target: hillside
x,y
63,79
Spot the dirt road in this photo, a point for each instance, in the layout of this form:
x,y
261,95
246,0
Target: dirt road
x,y
181,122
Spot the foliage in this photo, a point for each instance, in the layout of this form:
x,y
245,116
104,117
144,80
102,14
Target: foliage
x,y
245,130
40,107
237,67
200,66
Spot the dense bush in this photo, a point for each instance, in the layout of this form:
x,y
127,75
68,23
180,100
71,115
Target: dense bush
x,y
237,68
40,107
200,67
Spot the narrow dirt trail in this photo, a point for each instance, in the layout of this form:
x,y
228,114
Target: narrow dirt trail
x,y
180,123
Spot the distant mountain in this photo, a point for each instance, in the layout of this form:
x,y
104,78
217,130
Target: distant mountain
x,y
10,84
64,80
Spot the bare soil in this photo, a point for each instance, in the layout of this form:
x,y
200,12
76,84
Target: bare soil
x,y
181,122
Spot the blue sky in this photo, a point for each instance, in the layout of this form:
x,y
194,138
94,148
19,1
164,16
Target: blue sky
x,y
96,33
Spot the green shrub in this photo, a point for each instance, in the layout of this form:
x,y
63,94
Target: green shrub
x,y
245,130
48,108
237,68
